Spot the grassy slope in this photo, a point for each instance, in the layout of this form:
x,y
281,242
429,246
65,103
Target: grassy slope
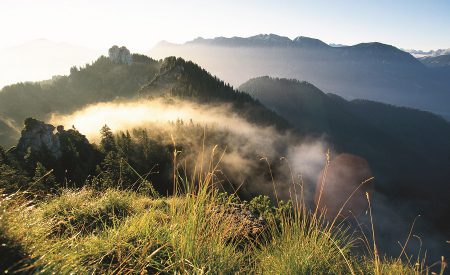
x,y
113,231
122,232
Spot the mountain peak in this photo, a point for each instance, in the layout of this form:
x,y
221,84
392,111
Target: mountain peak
x,y
386,53
256,40
374,45
304,41
271,39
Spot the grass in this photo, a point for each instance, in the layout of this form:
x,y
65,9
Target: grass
x,y
86,231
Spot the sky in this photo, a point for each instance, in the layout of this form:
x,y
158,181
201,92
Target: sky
x,y
139,25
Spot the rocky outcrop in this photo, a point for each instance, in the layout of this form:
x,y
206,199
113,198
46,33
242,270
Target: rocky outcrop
x,y
67,152
120,55
171,76
38,137
244,224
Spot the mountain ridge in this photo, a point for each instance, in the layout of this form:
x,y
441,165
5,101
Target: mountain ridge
x,y
373,71
407,149
271,40
187,80
357,125
436,61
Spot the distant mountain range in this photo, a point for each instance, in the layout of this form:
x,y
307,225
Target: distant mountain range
x,y
436,61
373,71
432,53
41,59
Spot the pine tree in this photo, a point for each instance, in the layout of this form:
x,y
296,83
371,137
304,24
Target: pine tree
x,y
124,145
107,143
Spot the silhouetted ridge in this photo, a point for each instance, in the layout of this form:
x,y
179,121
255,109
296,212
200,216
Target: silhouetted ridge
x,y
373,71
383,52
303,41
436,61
268,40
187,80
405,147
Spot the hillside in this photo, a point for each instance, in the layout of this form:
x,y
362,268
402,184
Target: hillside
x,y
116,222
119,231
394,137
406,148
436,61
373,71
70,155
101,81
187,80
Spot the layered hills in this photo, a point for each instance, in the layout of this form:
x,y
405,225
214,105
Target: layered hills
x,y
407,149
373,71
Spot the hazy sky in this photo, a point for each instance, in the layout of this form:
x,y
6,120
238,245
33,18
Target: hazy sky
x,y
139,24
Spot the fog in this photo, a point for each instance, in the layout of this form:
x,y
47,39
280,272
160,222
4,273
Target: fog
x,y
246,145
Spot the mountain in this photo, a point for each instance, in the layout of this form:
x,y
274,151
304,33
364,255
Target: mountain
x,y
261,40
101,81
373,71
41,59
436,61
337,45
269,40
432,53
408,150
186,80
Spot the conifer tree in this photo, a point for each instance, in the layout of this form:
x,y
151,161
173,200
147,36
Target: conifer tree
x,y
107,143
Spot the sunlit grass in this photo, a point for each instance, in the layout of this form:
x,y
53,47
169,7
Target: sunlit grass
x,y
88,231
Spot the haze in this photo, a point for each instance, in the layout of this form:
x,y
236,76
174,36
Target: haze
x,y
141,24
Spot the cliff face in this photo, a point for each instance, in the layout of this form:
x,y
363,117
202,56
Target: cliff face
x,y
68,153
120,55
38,137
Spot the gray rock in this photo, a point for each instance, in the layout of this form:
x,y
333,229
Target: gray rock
x,y
120,55
38,136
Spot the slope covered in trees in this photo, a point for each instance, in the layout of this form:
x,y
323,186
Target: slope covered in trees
x,y
187,80
407,149
103,80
